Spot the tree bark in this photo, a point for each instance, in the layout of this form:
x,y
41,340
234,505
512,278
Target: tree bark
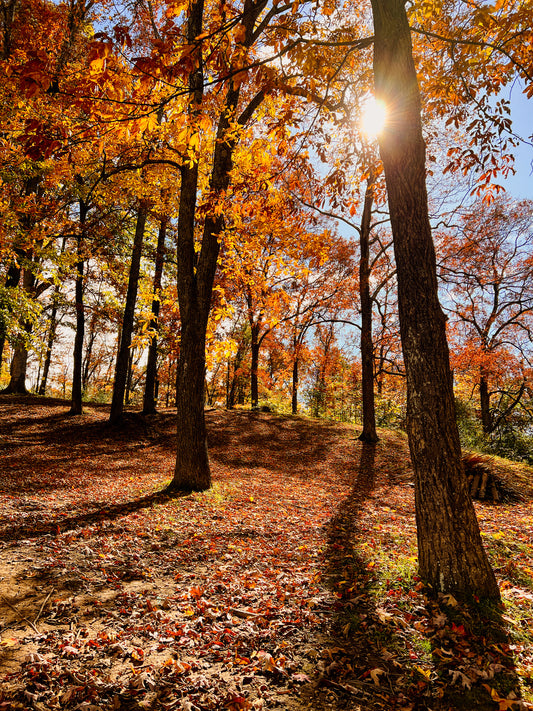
x,y
294,397
53,329
149,398
123,355
254,367
234,381
484,399
49,343
76,406
129,377
196,273
91,337
19,364
451,556
192,472
369,433
17,381
12,281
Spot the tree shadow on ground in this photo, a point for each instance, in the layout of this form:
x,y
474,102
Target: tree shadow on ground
x,y
99,515
467,648
240,439
353,678
474,667
42,450
277,443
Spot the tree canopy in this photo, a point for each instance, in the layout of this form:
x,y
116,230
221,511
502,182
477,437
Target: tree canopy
x,y
174,175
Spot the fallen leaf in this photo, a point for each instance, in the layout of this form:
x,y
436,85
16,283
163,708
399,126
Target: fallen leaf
x,y
375,674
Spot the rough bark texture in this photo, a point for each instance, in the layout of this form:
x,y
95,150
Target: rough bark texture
x,y
369,433
294,397
17,381
150,397
50,342
196,273
121,368
254,364
451,554
195,285
192,472
76,406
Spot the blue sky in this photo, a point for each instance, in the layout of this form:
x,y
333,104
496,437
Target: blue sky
x,y
521,184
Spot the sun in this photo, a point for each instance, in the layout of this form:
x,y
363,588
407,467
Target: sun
x,y
373,117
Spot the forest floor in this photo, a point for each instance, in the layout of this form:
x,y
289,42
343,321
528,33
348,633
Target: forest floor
x,y
291,584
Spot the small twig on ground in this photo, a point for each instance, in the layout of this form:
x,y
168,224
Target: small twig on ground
x,y
42,606
21,617
243,613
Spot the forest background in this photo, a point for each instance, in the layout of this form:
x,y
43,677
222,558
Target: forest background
x,y
172,180
94,107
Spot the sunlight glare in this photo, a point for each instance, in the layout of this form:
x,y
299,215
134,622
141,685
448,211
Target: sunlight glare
x,y
373,117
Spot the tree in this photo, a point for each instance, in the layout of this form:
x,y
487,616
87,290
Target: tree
x,y
369,433
150,386
196,270
486,266
77,370
121,366
450,551
281,269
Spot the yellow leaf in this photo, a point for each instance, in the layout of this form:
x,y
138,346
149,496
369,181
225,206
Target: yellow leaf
x,y
425,672
9,642
96,66
194,141
383,615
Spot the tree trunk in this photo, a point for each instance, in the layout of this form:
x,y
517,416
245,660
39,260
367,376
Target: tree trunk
x,y
369,433
381,369
150,399
233,382
129,378
254,367
230,387
484,398
294,398
53,329
17,382
91,337
192,472
12,281
196,273
49,343
76,406
123,356
450,551
3,336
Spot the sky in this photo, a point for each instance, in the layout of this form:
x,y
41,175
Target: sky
x,y
521,184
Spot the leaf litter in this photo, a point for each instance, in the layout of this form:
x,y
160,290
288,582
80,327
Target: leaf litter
x,y
291,584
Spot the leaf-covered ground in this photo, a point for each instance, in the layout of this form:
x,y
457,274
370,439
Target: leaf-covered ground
x,y
291,584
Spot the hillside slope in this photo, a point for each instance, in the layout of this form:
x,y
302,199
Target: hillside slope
x,y
291,584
